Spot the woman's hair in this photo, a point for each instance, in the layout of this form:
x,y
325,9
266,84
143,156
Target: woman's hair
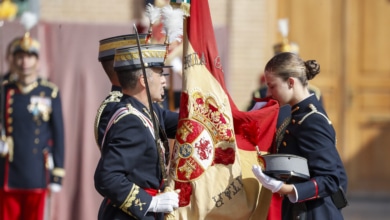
x,y
285,65
128,79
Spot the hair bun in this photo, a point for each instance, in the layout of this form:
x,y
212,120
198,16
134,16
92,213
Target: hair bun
x,y
312,69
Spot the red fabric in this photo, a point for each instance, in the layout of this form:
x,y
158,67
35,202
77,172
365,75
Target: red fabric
x,y
275,208
257,127
151,192
26,205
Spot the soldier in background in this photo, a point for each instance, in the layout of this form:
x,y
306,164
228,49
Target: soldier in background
x,y
32,152
284,46
10,75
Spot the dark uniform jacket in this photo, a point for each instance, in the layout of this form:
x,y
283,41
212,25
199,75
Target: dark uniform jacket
x,y
310,134
129,165
103,113
33,119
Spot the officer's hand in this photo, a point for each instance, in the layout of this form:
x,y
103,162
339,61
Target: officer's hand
x,y
3,148
268,182
55,187
164,202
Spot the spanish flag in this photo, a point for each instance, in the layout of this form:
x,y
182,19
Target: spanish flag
x,y
215,144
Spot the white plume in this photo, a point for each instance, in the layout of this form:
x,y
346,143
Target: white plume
x,y
153,13
283,27
173,23
28,20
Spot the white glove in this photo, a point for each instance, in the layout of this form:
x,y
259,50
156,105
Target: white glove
x,y
3,148
268,182
164,202
55,187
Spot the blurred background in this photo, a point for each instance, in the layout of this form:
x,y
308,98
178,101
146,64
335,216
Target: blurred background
x,y
349,38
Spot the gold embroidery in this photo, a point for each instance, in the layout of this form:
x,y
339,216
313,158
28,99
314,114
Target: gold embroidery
x,y
188,168
51,85
208,112
132,200
185,130
28,88
280,132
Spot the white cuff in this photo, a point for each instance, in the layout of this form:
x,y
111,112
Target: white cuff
x,y
55,187
293,197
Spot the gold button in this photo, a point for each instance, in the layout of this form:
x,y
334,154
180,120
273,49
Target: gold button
x,y
36,141
284,144
35,151
37,131
10,110
10,129
11,92
293,121
11,101
287,132
10,120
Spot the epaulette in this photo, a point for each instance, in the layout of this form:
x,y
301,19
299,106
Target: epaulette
x,y
114,96
5,82
51,85
316,91
314,111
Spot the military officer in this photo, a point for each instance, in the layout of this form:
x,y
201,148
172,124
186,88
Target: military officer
x,y
106,58
130,173
309,134
32,153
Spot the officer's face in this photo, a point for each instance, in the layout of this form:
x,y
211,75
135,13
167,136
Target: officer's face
x,y
157,83
25,64
278,89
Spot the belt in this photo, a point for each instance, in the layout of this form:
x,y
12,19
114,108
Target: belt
x,y
151,191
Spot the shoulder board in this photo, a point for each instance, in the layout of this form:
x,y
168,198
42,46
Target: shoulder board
x,y
313,111
52,86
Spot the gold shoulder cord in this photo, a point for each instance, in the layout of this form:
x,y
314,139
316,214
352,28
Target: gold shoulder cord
x,y
280,132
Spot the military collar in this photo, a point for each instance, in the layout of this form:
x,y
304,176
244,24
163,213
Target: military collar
x,y
116,88
24,89
303,106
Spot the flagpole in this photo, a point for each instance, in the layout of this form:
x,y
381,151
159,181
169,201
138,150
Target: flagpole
x,y
2,107
171,94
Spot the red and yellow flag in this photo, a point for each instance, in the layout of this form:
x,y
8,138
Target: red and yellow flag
x,y
216,143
